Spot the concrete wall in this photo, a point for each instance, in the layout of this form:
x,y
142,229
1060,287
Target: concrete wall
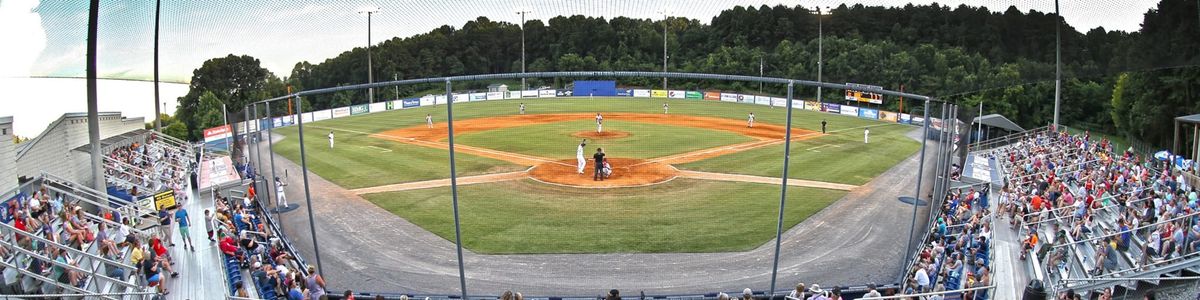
x,y
52,151
8,154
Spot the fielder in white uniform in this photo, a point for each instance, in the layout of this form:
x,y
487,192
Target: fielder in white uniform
x,y
599,123
581,162
665,107
750,121
428,121
522,108
330,139
866,135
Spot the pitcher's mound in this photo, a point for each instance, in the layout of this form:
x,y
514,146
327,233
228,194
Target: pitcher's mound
x,y
626,172
607,134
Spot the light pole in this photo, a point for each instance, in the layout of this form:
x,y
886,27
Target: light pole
x,y
820,49
522,13
1057,63
370,77
664,48
157,113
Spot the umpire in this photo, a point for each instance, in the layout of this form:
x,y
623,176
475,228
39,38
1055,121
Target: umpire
x,y
599,157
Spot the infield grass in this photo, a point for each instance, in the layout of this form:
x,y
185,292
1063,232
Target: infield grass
x,y
646,140
682,215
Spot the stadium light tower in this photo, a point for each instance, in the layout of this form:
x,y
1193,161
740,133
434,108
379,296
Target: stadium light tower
x,y
1057,63
664,13
370,76
522,13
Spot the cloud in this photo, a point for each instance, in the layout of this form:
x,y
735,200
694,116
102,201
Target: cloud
x,y
24,36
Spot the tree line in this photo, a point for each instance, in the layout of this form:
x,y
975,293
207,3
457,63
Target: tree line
x,y
1129,83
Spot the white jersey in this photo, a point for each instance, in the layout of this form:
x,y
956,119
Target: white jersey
x,y
599,119
750,118
579,151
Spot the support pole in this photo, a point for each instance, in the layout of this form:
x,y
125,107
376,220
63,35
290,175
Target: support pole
x,y
157,113
1057,63
820,52
917,195
271,151
462,276
93,115
787,148
307,198
370,73
258,158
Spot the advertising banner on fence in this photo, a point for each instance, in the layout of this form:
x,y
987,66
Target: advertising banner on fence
x,y
306,117
796,104
831,108
762,100
728,97
676,94
529,94
392,105
918,120
341,112
378,106
693,95
641,93
513,95
322,115
850,110
812,105
624,92
868,113
564,93
410,103
776,101
217,133
461,98
494,95
478,97
906,118
359,109
438,99
658,93
546,93
428,100
712,96
889,116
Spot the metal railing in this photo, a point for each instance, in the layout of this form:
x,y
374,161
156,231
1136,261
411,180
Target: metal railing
x,y
923,295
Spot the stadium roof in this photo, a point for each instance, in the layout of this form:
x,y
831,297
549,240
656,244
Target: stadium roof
x,y
996,120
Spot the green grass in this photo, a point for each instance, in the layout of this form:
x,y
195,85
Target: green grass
x,y
850,162
358,160
646,140
679,216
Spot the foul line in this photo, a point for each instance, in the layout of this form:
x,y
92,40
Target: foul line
x,y
464,147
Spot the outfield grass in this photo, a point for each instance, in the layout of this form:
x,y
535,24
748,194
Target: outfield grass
x,y
841,157
679,216
357,163
646,140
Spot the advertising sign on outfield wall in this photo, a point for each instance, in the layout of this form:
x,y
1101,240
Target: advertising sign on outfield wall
x,y
812,105
906,118
322,115
831,108
378,106
477,97
624,92
712,96
693,95
428,100
729,97
676,94
546,93
762,100
641,93
410,103
868,113
494,95
888,116
850,110
529,94
391,104
340,112
439,99
796,104
513,95
359,109
461,98
658,93
564,93
306,117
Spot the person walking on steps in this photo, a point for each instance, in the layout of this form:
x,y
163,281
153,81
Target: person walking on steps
x,y
185,222
599,165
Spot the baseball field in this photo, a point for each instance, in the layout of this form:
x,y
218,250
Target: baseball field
x,y
698,179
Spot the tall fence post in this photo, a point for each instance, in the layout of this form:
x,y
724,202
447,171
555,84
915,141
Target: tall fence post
x,y
917,195
307,197
273,186
462,277
787,152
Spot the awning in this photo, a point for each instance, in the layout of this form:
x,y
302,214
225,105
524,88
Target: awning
x,y
998,121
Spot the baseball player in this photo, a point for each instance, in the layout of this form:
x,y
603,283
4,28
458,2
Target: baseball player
x,y
280,196
428,121
750,120
599,123
581,162
866,135
607,169
331,139
822,125
665,107
522,108
599,165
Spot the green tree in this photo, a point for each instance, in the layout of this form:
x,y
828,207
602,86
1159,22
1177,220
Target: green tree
x,y
233,80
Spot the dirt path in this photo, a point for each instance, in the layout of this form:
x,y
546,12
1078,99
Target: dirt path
x,y
439,132
498,177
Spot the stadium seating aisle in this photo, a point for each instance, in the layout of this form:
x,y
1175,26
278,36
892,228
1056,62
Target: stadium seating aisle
x,y
203,273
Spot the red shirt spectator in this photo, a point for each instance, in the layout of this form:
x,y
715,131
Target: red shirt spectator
x,y
228,246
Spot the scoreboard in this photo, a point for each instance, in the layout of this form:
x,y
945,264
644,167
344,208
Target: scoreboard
x,y
869,97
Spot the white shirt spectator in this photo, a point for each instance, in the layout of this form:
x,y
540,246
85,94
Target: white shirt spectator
x,y
922,279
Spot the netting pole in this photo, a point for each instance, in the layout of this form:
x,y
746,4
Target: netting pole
x,y
787,151
462,277
273,186
916,196
304,173
258,154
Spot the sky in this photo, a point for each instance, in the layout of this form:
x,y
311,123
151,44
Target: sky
x,y
48,38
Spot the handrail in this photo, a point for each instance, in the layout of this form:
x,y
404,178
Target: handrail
x,y
1130,230
64,265
898,296
64,247
94,193
111,223
45,279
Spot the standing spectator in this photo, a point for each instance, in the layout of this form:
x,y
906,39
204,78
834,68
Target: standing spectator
x,y
922,277
208,225
315,284
181,217
165,225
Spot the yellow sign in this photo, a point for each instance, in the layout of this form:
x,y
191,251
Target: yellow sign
x,y
164,200
658,93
